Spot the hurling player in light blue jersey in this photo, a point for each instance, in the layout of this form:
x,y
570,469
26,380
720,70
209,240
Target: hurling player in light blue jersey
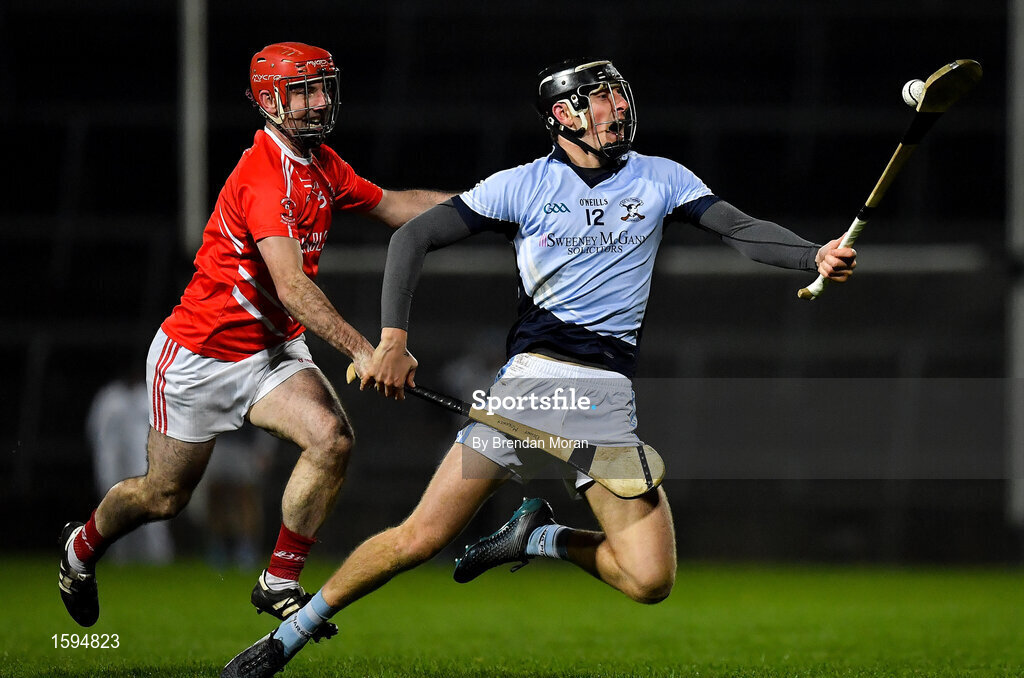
x,y
586,222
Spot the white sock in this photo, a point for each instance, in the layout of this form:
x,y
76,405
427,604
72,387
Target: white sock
x,y
275,583
73,559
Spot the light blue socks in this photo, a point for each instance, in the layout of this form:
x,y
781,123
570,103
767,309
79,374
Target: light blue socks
x,y
549,541
296,631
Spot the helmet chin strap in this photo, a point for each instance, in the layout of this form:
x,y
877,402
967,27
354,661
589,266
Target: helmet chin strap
x,y
305,143
576,137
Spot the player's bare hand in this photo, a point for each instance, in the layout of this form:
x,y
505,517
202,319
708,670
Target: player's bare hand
x,y
836,263
361,363
392,366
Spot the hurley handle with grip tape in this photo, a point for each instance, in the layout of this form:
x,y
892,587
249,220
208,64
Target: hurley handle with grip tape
x,y
447,402
815,288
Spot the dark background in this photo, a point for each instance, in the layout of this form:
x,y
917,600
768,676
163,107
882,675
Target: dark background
x,y
787,109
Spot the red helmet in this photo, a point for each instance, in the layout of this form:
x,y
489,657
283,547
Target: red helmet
x,y
285,69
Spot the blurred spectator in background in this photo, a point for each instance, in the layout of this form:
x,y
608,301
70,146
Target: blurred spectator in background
x,y
232,496
117,427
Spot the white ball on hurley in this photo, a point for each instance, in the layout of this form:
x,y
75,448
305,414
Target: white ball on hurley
x,y
912,92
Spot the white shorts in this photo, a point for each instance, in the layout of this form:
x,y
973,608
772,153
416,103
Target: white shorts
x,y
582,403
193,398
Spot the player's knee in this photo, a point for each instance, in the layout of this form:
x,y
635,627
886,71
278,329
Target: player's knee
x,y
651,594
338,436
651,586
334,441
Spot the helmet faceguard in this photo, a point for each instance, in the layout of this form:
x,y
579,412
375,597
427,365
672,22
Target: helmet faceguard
x,y
295,73
573,83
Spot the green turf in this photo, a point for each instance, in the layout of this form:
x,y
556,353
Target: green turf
x,y
547,620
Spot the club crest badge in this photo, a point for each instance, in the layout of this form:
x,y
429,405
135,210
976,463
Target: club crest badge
x,y
632,207
288,212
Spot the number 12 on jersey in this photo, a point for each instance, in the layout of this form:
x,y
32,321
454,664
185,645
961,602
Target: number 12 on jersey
x,y
595,217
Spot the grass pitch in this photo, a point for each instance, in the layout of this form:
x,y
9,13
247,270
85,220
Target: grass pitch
x,y
547,620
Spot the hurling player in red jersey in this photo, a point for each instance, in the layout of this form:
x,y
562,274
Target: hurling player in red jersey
x,y
234,347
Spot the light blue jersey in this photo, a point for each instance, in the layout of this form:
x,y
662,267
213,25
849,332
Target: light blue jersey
x,y
585,247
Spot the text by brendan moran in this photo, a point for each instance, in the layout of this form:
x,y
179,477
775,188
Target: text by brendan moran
x,y
501,442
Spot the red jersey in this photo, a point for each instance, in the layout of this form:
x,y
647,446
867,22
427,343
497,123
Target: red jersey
x,y
230,309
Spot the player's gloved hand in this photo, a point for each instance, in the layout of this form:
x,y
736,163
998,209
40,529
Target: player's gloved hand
x,y
392,366
834,262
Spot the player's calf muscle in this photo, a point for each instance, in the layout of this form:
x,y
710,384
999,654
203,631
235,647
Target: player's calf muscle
x,y
417,545
167,502
135,501
161,500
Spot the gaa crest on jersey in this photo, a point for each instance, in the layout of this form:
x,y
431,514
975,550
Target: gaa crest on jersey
x,y
632,207
288,211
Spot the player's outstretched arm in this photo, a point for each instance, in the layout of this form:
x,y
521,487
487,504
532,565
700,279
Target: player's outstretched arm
x,y
769,243
307,303
397,207
763,241
438,227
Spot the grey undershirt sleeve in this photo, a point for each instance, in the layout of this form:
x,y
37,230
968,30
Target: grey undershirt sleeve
x,y
438,227
762,241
